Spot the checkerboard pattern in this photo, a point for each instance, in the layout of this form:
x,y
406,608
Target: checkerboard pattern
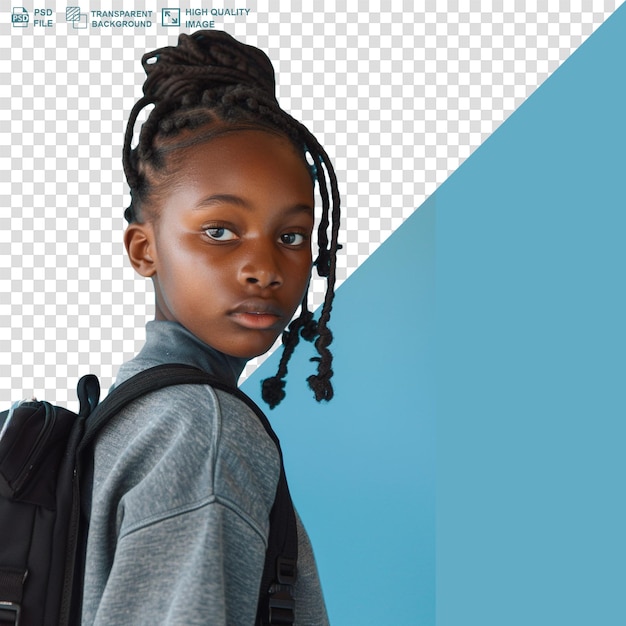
x,y
399,98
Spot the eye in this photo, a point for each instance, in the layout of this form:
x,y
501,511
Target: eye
x,y
219,233
292,239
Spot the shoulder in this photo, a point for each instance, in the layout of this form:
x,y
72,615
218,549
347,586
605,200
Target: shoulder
x,y
183,448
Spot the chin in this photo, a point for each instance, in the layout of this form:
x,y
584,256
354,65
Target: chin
x,y
250,354
249,351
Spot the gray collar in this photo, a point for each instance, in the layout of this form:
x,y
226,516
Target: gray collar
x,y
169,342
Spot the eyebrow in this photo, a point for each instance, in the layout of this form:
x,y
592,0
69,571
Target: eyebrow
x,y
226,198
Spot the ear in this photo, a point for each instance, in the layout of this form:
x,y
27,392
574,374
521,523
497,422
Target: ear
x,y
139,242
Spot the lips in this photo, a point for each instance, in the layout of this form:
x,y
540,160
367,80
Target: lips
x,y
258,315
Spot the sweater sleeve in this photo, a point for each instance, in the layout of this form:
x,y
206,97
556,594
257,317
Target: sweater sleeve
x,y
183,483
201,567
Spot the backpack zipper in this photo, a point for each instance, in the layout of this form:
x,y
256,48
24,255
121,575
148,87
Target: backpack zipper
x,y
70,559
33,457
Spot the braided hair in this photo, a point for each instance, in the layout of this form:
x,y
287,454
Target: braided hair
x,y
208,84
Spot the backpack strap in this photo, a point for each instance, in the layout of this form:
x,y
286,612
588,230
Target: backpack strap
x,y
276,601
11,591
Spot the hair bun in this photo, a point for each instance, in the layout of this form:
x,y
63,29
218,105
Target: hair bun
x,y
204,60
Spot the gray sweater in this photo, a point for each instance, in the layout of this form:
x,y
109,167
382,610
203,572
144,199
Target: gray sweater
x,y
184,479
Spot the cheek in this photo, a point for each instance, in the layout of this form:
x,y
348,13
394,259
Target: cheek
x,y
197,273
302,273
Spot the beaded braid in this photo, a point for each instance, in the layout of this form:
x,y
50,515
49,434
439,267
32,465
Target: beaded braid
x,y
212,83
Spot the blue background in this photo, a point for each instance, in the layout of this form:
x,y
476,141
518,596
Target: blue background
x,y
527,375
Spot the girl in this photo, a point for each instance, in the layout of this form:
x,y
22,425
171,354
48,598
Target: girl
x,y
221,219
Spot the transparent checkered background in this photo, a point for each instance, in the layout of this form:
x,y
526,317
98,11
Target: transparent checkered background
x,y
398,97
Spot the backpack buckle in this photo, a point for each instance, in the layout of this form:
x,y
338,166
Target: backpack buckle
x,y
286,570
10,613
282,606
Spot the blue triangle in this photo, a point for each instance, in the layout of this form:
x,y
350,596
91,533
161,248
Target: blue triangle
x,y
531,410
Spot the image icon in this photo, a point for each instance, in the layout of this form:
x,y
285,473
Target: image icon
x,y
170,17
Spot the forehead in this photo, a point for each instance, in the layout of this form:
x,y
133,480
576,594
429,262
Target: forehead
x,y
176,147
242,145
258,165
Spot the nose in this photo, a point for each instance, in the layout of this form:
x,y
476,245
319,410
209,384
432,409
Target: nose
x,y
260,267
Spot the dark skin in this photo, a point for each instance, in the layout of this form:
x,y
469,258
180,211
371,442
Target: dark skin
x,y
228,244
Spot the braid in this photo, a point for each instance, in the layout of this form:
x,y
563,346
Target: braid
x,y
212,82
272,389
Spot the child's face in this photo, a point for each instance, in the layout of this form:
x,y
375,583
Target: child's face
x,y
230,250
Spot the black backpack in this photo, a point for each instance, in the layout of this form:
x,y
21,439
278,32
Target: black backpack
x,y
44,458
